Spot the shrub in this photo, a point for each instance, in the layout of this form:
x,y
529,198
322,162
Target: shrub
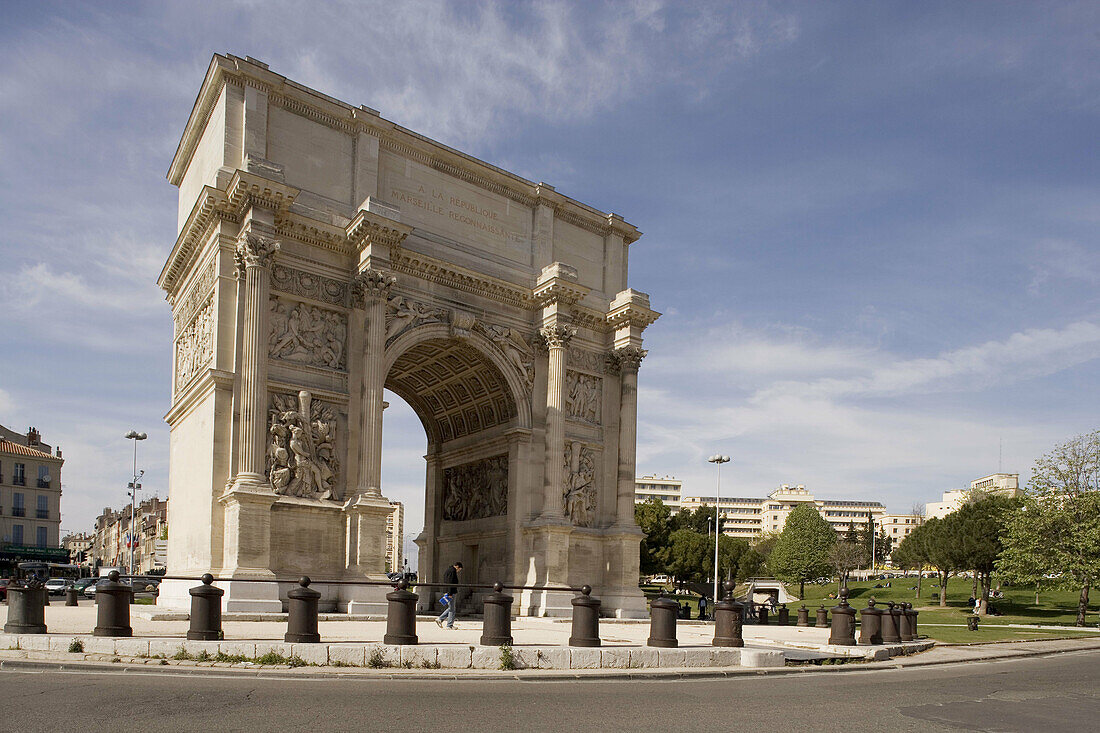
x,y
507,658
76,646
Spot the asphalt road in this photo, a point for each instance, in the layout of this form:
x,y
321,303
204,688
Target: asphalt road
x,y
1056,693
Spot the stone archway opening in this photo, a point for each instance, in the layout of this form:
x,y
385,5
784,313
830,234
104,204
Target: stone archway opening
x,y
467,409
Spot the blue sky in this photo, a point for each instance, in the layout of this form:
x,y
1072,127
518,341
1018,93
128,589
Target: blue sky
x,y
871,227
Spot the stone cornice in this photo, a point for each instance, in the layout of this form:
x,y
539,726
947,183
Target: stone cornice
x,y
354,120
437,271
248,189
631,308
370,228
209,208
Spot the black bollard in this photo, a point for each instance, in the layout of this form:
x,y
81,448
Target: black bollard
x,y
662,625
905,631
843,630
762,615
112,600
496,625
890,625
803,616
913,615
586,619
26,609
301,620
822,618
783,616
71,597
401,615
206,611
870,624
727,620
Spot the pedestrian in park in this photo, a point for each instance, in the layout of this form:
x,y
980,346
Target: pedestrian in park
x,y
702,607
450,577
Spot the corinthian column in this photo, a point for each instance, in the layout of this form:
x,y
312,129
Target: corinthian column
x,y
557,338
254,253
371,290
629,359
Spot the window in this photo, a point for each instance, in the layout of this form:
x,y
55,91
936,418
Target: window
x,y
43,508
17,534
17,476
43,537
43,477
17,507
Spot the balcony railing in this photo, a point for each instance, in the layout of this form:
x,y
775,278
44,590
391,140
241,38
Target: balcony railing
x,y
43,484
42,514
18,511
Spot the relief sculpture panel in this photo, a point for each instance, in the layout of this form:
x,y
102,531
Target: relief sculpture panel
x,y
582,397
476,490
579,492
195,345
307,335
301,457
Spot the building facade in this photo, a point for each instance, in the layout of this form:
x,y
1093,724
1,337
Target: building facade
x,y
324,255
1000,484
750,518
30,499
79,547
898,526
395,534
115,534
665,488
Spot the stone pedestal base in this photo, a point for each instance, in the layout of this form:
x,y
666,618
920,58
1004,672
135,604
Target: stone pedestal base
x,y
364,599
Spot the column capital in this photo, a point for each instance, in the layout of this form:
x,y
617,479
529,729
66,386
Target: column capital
x,y
254,250
629,357
371,284
557,336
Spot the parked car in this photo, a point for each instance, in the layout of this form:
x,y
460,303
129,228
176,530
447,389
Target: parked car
x,y
4,588
57,586
82,583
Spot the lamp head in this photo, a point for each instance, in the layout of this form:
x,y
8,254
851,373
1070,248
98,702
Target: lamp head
x,y
135,435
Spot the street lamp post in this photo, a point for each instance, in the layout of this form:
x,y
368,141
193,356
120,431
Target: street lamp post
x,y
134,488
719,460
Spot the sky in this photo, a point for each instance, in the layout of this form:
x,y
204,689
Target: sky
x,y
871,227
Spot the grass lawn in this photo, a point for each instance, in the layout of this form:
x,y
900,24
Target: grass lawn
x,y
962,635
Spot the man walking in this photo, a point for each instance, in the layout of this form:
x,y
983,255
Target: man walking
x,y
450,577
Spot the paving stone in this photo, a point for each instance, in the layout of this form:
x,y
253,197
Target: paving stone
x,y
761,658
615,658
40,642
553,658
415,656
272,647
164,647
584,658
725,657
643,657
354,654
696,657
391,654
455,656
485,657
99,645
310,653
671,657
244,648
132,647
196,648
60,643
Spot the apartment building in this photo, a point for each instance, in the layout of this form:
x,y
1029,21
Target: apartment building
x,y
115,533
751,517
665,488
395,533
1001,484
30,499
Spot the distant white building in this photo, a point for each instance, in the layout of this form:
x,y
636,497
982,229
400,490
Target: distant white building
x,y
1001,484
395,533
665,488
750,518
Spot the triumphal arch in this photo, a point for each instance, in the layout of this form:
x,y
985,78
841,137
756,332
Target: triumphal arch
x,y
326,254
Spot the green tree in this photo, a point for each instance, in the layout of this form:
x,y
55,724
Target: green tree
x,y
688,556
1055,537
944,550
913,554
700,520
845,557
652,516
802,551
979,528
765,545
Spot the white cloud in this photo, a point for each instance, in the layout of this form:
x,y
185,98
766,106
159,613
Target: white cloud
x,y
1057,261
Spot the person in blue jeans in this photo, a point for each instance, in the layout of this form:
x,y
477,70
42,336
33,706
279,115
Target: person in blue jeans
x,y
451,579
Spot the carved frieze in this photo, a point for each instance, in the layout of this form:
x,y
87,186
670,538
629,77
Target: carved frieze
x,y
307,335
579,493
196,297
476,490
301,457
404,313
598,362
195,345
307,285
516,350
582,396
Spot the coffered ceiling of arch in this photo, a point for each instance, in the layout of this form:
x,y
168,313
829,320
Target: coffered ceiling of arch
x,y
453,388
